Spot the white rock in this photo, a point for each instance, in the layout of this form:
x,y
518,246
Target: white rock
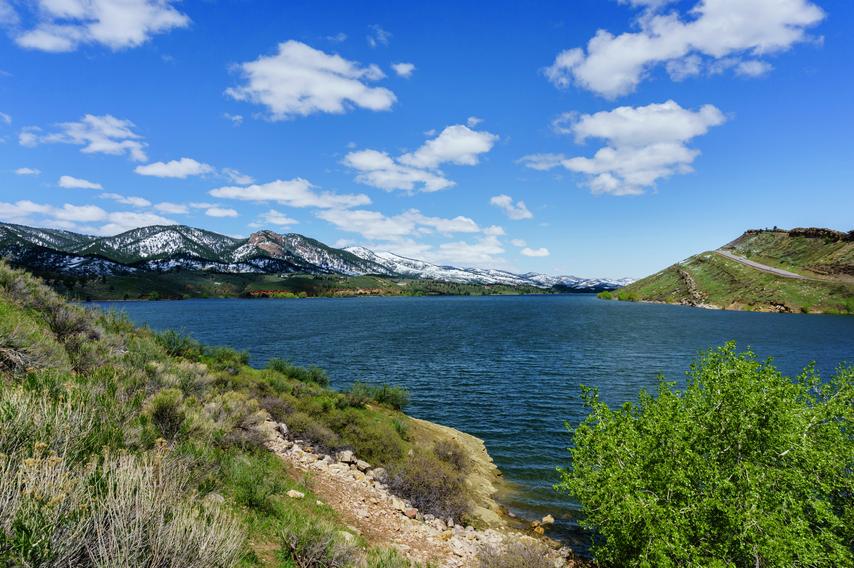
x,y
282,428
294,494
363,465
345,456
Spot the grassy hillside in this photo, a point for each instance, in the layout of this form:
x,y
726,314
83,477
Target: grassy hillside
x,y
123,447
825,259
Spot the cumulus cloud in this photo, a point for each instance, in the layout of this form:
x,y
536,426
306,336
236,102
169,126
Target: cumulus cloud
x,y
64,25
126,200
419,170
296,192
300,80
542,251
90,218
404,70
613,65
274,217
221,212
27,172
77,183
484,251
378,226
642,145
515,211
181,169
103,134
237,177
172,208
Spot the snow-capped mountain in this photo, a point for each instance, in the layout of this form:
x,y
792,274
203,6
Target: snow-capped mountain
x,y
175,247
420,269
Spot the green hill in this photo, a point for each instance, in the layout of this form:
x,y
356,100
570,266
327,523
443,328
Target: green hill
x,y
802,270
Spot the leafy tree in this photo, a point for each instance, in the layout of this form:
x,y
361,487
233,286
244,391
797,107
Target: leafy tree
x,y
744,467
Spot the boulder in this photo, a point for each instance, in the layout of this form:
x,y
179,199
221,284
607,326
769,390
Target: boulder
x,y
282,428
548,520
345,456
363,465
411,512
294,494
378,474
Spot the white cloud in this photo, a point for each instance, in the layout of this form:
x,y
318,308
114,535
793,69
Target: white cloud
x,y
72,216
180,169
221,212
404,70
515,211
236,119
337,38
300,80
614,65
482,252
77,183
237,177
103,134
542,162
542,251
274,217
172,208
473,121
64,25
5,118
122,221
378,36
126,200
27,171
643,145
380,170
419,170
376,225
297,192
518,243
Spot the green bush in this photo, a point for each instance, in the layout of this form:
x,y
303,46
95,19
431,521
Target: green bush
x,y
166,412
605,295
744,467
179,345
431,485
314,375
226,359
396,398
451,452
312,430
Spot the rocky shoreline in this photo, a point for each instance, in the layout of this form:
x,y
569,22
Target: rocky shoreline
x,y
357,491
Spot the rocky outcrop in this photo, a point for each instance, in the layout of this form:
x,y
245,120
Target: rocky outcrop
x,y
357,491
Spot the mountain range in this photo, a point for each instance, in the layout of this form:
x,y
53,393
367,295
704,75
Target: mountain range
x,y
168,248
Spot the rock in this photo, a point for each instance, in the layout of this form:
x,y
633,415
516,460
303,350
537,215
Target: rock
x,y
358,475
294,494
378,473
450,522
345,456
282,428
319,503
539,530
363,465
398,504
411,512
535,524
548,520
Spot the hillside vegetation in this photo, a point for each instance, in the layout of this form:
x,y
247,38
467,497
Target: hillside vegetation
x,y
824,259
123,447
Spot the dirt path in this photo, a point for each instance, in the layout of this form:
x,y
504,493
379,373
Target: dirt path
x,y
762,267
364,503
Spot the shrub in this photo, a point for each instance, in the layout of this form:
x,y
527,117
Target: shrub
x,y
451,452
278,409
166,411
316,545
314,375
517,554
744,467
396,398
605,295
313,431
226,359
431,485
179,345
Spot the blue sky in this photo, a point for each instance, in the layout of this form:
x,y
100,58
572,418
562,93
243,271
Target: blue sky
x,y
668,132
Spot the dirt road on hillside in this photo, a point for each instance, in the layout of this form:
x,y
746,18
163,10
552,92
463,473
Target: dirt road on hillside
x,y
762,267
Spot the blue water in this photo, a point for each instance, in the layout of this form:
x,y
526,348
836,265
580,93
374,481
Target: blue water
x,y
504,368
